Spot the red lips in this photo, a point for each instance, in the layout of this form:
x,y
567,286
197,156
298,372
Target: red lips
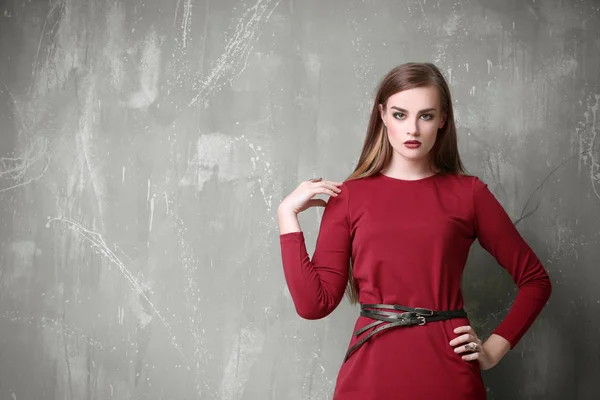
x,y
412,142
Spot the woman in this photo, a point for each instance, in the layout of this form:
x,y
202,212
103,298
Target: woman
x,y
396,236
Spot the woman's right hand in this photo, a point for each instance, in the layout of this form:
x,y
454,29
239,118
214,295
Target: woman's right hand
x,y
302,197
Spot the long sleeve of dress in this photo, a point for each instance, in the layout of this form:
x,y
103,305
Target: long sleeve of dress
x,y
317,286
498,235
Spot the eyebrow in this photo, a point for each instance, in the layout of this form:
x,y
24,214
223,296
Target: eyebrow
x,y
406,111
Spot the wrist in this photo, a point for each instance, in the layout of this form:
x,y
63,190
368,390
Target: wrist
x,y
284,211
288,220
496,347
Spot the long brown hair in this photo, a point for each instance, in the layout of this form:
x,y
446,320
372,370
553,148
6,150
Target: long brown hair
x,y
377,150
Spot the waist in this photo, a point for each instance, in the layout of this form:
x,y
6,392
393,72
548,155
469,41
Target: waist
x,y
416,315
398,316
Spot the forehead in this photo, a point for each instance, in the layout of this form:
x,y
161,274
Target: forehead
x,y
416,98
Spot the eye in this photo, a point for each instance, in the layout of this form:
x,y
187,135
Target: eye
x,y
429,116
397,115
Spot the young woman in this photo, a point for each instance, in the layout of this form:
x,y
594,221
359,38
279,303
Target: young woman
x,y
395,235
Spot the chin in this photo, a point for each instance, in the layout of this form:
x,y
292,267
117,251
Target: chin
x,y
413,156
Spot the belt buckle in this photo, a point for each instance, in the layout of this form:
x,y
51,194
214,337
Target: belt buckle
x,y
424,311
407,315
411,316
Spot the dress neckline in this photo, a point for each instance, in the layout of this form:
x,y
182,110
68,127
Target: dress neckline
x,y
427,178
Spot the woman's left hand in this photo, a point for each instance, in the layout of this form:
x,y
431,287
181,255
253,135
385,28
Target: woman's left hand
x,y
470,344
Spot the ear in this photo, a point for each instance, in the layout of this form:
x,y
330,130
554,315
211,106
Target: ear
x,y
382,113
443,120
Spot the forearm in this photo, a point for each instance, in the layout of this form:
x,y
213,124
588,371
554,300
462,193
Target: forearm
x,y
316,289
302,279
496,347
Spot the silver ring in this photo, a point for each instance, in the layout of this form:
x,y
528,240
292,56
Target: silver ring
x,y
471,347
316,180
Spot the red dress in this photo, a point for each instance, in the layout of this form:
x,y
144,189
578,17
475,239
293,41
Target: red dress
x,y
409,242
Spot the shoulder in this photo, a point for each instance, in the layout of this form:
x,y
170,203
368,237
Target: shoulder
x,y
462,182
469,188
357,184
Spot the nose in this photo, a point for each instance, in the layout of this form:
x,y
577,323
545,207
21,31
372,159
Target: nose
x,y
413,127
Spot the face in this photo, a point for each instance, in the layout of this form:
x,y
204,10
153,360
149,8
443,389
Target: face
x,y
413,118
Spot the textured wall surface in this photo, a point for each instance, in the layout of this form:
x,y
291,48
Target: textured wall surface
x,y
146,145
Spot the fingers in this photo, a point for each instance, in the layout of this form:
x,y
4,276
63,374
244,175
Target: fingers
x,y
467,337
464,329
323,190
324,187
467,344
328,183
332,187
471,356
469,347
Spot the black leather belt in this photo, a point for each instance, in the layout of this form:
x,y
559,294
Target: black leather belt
x,y
410,317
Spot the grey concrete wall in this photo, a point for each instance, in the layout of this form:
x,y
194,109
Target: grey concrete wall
x,y
146,145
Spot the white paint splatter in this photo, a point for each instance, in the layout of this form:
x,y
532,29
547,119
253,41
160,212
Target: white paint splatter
x,y
54,325
148,188
190,267
25,168
99,245
313,63
115,31
87,152
217,154
151,213
233,60
20,170
591,153
43,32
248,346
58,66
187,20
120,314
149,72
213,152
176,13
452,25
559,68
